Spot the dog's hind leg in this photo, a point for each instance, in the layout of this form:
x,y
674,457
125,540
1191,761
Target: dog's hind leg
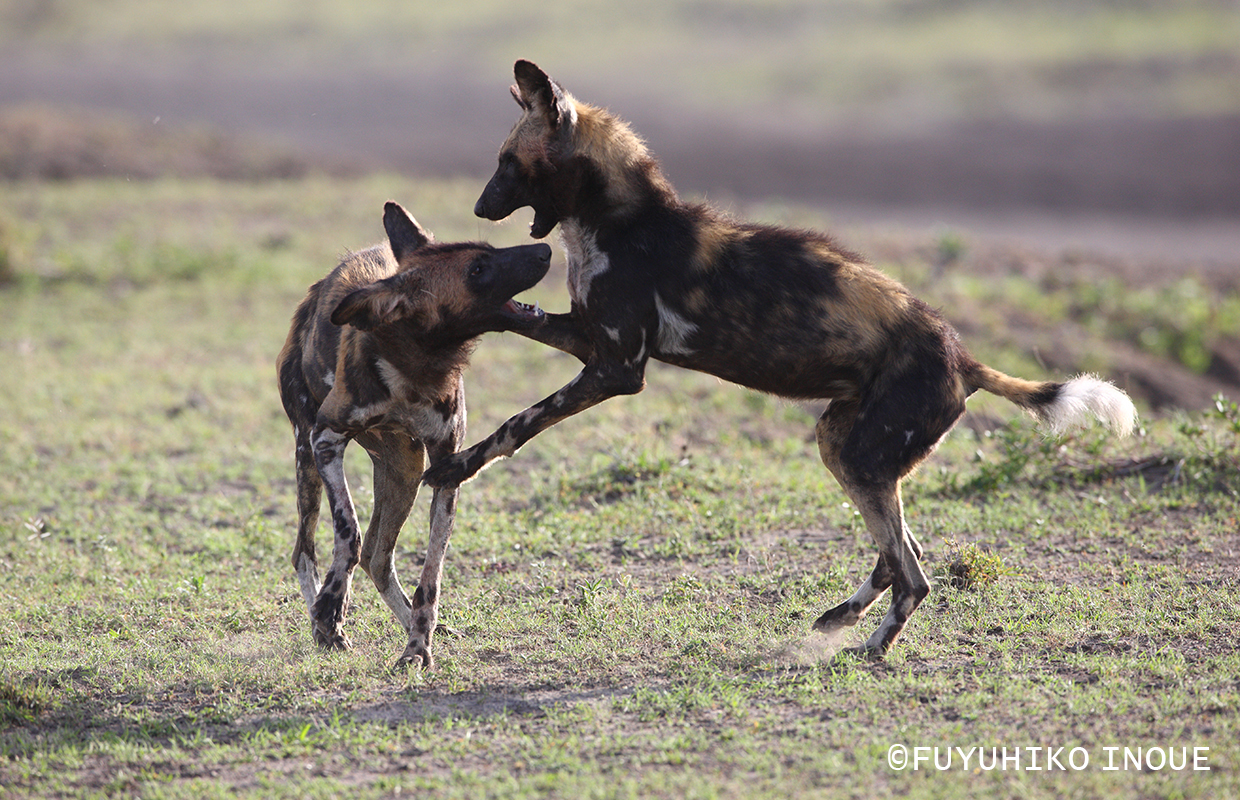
x,y
332,602
849,612
832,431
398,462
309,497
883,513
869,447
301,409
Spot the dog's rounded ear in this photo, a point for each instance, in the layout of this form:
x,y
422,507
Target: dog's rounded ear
x,y
404,233
536,92
377,304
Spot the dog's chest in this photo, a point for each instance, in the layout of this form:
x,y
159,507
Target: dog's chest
x,y
425,422
585,260
406,410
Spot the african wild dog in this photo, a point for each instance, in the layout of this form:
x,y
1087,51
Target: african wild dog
x,y
375,353
785,312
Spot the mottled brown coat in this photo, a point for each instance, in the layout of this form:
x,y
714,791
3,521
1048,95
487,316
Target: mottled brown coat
x,y
375,354
782,311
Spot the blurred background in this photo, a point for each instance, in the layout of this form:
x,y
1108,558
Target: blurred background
x,y
1062,178
1110,124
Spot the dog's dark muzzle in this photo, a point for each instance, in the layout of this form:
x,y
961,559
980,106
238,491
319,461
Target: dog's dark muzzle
x,y
501,196
519,268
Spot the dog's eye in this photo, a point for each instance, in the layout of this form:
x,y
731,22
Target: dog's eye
x,y
477,269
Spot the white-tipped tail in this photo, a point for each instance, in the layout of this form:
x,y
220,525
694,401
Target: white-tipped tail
x,y
1085,395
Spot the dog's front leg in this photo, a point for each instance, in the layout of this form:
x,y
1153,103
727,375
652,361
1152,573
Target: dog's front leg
x,y
594,384
327,615
425,612
565,333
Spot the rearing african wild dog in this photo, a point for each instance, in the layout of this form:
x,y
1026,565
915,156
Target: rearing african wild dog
x,y
781,311
375,353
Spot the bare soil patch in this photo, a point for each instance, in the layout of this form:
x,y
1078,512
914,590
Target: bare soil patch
x,y
49,143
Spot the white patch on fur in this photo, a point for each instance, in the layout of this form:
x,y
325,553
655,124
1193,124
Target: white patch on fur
x,y
392,378
362,414
325,437
614,333
429,424
865,596
332,471
329,379
307,576
585,260
507,446
674,330
1085,395
558,399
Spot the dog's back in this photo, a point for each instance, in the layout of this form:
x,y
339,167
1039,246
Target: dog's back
x,y
307,363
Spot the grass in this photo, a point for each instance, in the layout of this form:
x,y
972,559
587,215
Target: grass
x,y
635,587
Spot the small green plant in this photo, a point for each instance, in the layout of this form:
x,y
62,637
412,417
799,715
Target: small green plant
x,y
949,251
616,481
1020,446
1215,437
684,589
1228,411
22,702
968,567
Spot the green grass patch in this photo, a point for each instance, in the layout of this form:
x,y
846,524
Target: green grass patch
x,y
634,589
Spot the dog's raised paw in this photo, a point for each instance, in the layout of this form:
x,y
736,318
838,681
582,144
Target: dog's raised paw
x,y
447,474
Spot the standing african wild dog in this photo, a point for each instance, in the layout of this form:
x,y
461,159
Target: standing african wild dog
x,y
781,311
375,353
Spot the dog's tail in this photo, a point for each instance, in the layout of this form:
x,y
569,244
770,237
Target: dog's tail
x,y
1060,405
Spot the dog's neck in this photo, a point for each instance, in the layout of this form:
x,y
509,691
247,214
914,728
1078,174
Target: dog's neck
x,y
432,365
613,175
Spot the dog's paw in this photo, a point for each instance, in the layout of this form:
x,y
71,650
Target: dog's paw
x,y
415,655
327,621
331,640
864,653
448,473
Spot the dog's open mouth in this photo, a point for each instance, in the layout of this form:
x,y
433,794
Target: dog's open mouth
x,y
542,224
523,313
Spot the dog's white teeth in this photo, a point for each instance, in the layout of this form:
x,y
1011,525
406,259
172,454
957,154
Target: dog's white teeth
x,y
537,309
